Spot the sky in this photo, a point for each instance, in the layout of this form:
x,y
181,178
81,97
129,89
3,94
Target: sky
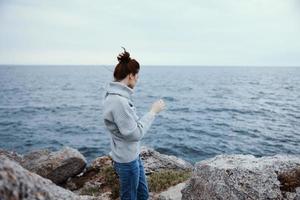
x,y
168,32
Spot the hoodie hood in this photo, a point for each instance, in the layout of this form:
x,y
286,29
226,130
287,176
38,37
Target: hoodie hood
x,y
115,87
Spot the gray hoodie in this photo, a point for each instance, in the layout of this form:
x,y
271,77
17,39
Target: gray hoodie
x,y
125,127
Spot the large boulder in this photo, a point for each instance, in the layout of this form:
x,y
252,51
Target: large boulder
x,y
17,183
57,166
155,161
245,177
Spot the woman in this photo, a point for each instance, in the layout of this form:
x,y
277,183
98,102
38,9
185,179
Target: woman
x,y
127,129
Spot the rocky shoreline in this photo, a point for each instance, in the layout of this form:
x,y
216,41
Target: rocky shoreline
x,y
65,175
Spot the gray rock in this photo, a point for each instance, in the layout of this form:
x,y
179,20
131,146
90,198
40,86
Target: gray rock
x,y
154,161
98,179
172,193
17,183
104,196
12,155
56,166
243,177
94,176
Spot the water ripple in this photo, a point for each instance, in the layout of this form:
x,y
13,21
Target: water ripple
x,y
210,111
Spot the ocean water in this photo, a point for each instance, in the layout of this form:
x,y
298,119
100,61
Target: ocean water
x,y
209,110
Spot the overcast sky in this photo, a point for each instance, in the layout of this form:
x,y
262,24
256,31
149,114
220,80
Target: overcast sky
x,y
165,32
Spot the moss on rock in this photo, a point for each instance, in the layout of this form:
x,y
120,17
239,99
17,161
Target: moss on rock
x,y
162,180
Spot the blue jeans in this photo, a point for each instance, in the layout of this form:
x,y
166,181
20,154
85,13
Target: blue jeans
x,y
133,182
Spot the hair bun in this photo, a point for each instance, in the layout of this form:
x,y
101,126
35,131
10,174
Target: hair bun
x,y
124,57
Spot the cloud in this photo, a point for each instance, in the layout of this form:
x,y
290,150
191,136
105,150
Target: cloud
x,y
214,32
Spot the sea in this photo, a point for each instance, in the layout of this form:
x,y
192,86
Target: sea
x,y
209,110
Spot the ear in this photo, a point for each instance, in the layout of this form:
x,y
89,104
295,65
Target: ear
x,y
131,76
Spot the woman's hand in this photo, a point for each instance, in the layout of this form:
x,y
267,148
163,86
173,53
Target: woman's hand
x,y
157,106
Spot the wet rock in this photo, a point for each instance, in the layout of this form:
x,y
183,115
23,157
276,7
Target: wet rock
x,y
56,166
244,177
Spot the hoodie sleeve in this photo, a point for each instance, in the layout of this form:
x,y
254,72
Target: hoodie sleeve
x,y
129,127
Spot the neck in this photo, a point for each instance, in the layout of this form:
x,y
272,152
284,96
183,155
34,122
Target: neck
x,y
126,82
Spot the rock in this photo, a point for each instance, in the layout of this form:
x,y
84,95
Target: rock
x,y
245,177
290,183
173,193
154,161
95,182
98,179
101,162
104,196
56,166
90,174
290,180
17,183
95,177
12,155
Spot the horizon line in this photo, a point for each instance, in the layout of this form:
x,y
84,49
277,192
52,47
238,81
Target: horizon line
x,y
152,65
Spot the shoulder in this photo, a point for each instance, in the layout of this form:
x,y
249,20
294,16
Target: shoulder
x,y
117,101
